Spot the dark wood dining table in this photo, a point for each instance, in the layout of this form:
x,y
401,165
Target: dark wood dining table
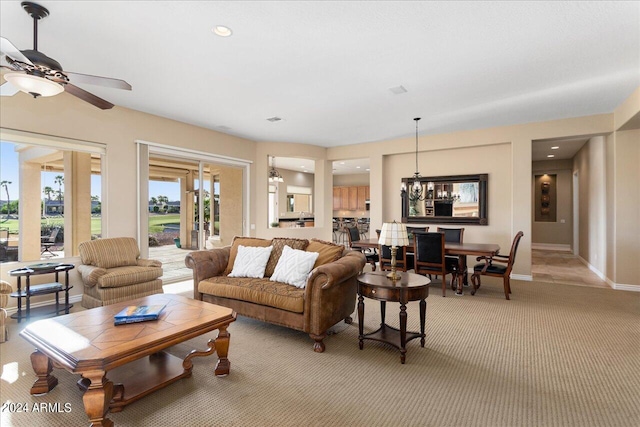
x,y
459,249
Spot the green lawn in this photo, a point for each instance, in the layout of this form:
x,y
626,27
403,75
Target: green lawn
x,y
156,223
12,224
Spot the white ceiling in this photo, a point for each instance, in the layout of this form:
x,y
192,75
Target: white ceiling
x,y
326,68
341,167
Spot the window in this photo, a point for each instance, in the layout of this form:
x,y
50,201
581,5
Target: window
x,y
51,193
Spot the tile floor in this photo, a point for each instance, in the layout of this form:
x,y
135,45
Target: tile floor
x,y
562,267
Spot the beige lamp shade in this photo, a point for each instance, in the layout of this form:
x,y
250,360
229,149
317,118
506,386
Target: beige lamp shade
x,y
393,234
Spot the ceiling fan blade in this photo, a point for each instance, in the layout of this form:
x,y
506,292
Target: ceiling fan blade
x,y
88,97
97,80
7,89
7,48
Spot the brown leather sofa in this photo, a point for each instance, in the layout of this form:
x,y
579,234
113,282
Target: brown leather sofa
x,y
328,298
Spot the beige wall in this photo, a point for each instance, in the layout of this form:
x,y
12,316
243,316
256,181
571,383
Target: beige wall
x,y
558,232
589,163
471,152
118,129
626,206
503,152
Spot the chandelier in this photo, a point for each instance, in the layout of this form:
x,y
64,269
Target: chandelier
x,y
274,175
416,192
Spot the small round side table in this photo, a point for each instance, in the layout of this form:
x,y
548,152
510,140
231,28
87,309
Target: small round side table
x,y
410,287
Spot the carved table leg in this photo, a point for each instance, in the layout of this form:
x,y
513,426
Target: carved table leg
x,y
97,398
187,364
403,332
222,348
360,320
42,366
423,316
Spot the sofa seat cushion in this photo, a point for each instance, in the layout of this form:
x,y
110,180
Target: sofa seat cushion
x,y
258,291
130,275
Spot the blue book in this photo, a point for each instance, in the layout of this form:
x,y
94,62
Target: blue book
x,y
138,313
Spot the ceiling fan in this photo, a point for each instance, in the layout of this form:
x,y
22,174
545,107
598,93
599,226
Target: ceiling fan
x,y
35,73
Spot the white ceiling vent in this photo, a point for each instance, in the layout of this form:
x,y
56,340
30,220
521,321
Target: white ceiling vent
x,y
398,90
274,119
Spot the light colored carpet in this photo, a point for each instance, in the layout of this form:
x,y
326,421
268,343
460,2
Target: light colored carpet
x,y
555,355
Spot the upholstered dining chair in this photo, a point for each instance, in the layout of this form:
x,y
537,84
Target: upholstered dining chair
x,y
488,268
404,260
353,234
453,235
428,249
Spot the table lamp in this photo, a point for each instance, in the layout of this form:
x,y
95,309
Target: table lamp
x,y
393,234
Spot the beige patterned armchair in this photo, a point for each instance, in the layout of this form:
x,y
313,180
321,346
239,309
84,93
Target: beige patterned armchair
x,y
112,272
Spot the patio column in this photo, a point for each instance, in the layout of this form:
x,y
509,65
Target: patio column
x,y
77,201
30,210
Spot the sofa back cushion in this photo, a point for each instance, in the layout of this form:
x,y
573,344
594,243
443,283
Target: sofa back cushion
x,y
328,251
109,253
278,244
244,241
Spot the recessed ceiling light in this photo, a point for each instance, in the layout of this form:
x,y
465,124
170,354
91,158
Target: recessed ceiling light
x,y
222,31
367,169
555,148
357,167
302,166
342,163
550,155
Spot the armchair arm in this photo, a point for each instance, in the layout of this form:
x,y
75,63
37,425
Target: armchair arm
x,y
206,264
331,290
90,274
148,263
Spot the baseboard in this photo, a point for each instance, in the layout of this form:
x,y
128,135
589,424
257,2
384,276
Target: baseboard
x,y
523,277
551,247
592,268
72,299
623,287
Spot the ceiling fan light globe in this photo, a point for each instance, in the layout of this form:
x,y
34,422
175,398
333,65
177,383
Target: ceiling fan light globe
x,y
33,85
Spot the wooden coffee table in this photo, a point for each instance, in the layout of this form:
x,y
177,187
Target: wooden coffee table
x,y
121,364
410,287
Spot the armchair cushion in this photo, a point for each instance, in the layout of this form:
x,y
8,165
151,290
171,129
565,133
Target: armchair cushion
x,y
128,275
109,253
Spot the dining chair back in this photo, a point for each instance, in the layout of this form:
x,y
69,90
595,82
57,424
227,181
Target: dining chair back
x,y
404,261
503,269
453,235
353,234
428,250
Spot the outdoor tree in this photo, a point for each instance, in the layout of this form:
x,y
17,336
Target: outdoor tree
x,y
47,192
5,184
59,179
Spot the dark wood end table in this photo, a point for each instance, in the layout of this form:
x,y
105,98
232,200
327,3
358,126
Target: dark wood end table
x,y
410,287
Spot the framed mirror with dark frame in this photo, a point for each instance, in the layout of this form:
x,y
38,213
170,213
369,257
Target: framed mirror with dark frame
x,y
454,199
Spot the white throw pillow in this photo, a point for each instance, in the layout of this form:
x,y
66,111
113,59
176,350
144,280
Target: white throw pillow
x,y
294,267
251,261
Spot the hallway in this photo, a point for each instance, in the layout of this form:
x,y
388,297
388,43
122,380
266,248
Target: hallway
x,y
562,267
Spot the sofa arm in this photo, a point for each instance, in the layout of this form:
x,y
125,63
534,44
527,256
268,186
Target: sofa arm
x,y
330,295
91,274
206,264
333,273
149,263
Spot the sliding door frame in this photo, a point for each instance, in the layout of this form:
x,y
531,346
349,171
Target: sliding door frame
x,y
145,149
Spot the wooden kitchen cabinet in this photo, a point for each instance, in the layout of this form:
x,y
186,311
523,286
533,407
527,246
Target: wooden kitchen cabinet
x,y
351,198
